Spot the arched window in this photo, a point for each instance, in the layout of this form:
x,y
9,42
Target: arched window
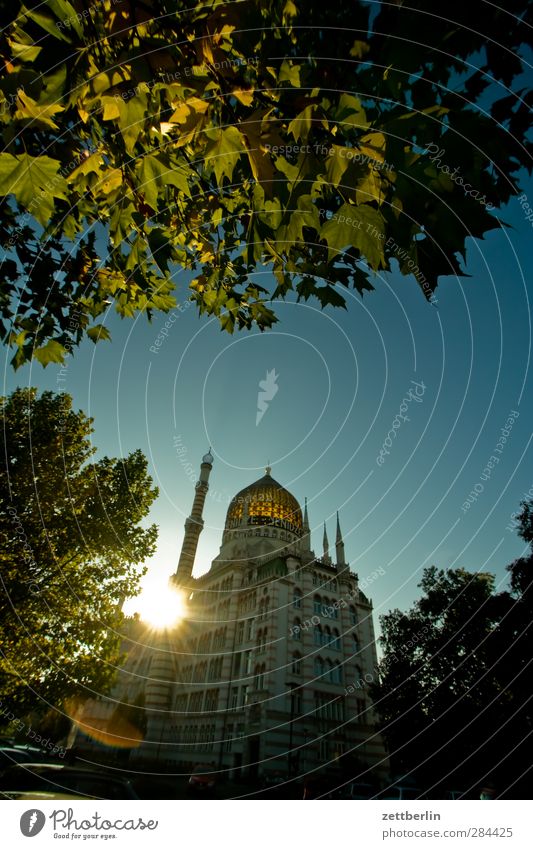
x,y
329,671
355,644
317,633
319,666
336,640
315,579
297,629
296,667
297,597
317,605
336,674
353,615
327,635
325,607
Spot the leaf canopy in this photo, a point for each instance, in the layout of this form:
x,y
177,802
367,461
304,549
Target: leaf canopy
x,y
224,137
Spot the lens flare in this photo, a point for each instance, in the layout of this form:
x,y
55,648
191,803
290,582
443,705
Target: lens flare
x,y
161,606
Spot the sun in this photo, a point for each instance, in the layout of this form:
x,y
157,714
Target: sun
x,y
161,606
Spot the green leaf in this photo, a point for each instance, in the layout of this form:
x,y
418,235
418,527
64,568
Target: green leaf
x,y
155,174
359,49
362,227
99,331
223,153
27,108
46,22
300,126
327,295
350,112
337,163
52,352
132,116
161,247
65,11
24,52
289,73
34,181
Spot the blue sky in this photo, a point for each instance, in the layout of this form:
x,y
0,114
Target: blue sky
x,y
341,377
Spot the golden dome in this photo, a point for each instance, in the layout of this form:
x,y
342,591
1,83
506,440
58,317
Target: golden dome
x,y
267,503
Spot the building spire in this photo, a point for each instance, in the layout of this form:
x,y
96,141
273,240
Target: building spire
x,y
194,524
306,536
339,544
325,544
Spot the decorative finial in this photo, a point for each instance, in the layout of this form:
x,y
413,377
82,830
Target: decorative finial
x,y
208,458
268,467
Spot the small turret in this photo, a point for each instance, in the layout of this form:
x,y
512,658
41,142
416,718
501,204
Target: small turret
x,y
325,543
339,545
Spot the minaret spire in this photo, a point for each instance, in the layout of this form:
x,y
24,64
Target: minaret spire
x,y
339,544
306,538
325,543
194,524
306,517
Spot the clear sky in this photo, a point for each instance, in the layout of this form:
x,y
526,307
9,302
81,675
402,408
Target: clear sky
x,y
342,377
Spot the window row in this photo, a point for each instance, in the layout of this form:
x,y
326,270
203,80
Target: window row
x,y
200,701
242,663
248,602
326,637
244,631
259,677
239,697
325,581
330,671
200,672
210,596
264,607
328,708
201,735
262,639
322,606
322,636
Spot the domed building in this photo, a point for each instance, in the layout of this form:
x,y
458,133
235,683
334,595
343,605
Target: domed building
x,y
268,671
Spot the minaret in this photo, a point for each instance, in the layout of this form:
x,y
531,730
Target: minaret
x,y
306,538
327,558
339,545
194,525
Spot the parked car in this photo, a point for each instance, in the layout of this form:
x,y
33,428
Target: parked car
x,y
9,756
319,787
275,785
38,796
61,779
357,790
203,779
401,792
444,794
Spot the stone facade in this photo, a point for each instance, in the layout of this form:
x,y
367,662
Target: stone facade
x,y
268,671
